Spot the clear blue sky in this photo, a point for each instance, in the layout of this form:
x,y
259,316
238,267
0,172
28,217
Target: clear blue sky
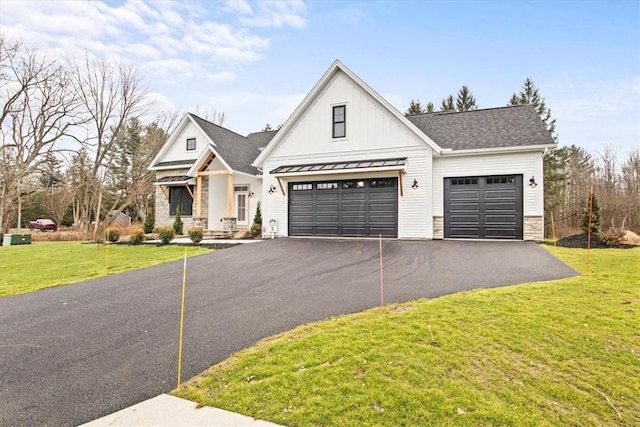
x,y
256,60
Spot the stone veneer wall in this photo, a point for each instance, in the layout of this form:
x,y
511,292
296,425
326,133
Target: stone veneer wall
x,y
162,202
533,228
438,227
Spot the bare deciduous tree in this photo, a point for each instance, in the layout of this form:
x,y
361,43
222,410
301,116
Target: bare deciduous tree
x,y
38,110
110,95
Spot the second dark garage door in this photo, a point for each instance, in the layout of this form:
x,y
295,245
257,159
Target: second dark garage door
x,y
483,207
350,208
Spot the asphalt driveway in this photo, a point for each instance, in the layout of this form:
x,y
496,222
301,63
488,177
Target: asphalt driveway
x,y
72,354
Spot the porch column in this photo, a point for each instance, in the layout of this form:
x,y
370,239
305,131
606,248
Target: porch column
x,y
199,197
229,195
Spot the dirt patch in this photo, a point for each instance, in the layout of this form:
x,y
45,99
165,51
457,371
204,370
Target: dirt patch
x,y
580,241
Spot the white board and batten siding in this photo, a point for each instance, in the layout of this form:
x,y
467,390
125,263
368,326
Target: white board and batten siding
x,y
372,132
369,126
527,164
178,150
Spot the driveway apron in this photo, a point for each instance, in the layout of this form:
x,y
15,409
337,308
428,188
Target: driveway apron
x,y
71,354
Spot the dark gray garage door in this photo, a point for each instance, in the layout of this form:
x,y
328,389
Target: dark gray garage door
x,y
483,207
353,208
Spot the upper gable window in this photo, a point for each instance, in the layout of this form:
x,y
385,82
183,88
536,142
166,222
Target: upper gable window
x,y
339,121
191,144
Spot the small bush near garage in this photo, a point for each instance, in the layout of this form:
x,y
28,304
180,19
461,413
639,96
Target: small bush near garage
x,y
166,235
112,235
196,234
137,237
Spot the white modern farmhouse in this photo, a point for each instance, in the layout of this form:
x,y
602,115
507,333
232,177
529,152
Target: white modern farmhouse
x,y
347,163
205,171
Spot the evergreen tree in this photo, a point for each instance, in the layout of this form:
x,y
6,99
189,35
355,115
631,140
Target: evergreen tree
x,y
177,223
415,107
256,227
465,100
257,219
594,208
530,94
149,223
553,162
430,108
447,104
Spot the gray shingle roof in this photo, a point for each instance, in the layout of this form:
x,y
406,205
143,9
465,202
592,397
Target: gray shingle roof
x,y
513,126
262,138
236,150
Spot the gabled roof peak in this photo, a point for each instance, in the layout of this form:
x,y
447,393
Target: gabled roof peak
x,y
198,118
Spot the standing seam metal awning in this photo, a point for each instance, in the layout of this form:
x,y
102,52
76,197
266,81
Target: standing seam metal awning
x,y
175,180
388,164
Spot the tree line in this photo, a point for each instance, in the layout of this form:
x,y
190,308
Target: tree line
x,y
570,172
72,138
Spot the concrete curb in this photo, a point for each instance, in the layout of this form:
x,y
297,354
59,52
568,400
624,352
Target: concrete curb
x,y
166,410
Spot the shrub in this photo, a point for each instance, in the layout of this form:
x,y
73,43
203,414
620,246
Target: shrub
x,y
196,234
149,223
137,237
166,234
595,217
614,236
177,223
256,229
112,235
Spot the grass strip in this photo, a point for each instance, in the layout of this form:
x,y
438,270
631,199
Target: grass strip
x,y
563,352
28,268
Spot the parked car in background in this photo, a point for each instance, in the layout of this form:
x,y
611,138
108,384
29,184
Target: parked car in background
x,y
43,224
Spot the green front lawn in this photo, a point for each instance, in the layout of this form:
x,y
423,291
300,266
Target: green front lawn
x,y
564,352
28,268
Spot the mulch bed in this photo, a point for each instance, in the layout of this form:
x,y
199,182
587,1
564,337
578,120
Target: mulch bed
x,y
580,241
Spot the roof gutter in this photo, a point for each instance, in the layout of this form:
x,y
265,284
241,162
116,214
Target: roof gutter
x,y
448,152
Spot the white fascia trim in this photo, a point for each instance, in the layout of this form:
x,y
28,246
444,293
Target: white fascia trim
x,y
340,171
495,150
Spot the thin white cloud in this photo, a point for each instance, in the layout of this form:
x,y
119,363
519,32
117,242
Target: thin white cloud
x,y
169,40
274,14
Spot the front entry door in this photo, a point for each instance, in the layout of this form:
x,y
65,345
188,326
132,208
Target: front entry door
x,y
242,207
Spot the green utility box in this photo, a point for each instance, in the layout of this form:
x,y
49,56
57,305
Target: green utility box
x,y
16,239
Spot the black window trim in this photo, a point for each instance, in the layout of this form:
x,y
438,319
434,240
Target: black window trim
x,y
335,122
194,144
